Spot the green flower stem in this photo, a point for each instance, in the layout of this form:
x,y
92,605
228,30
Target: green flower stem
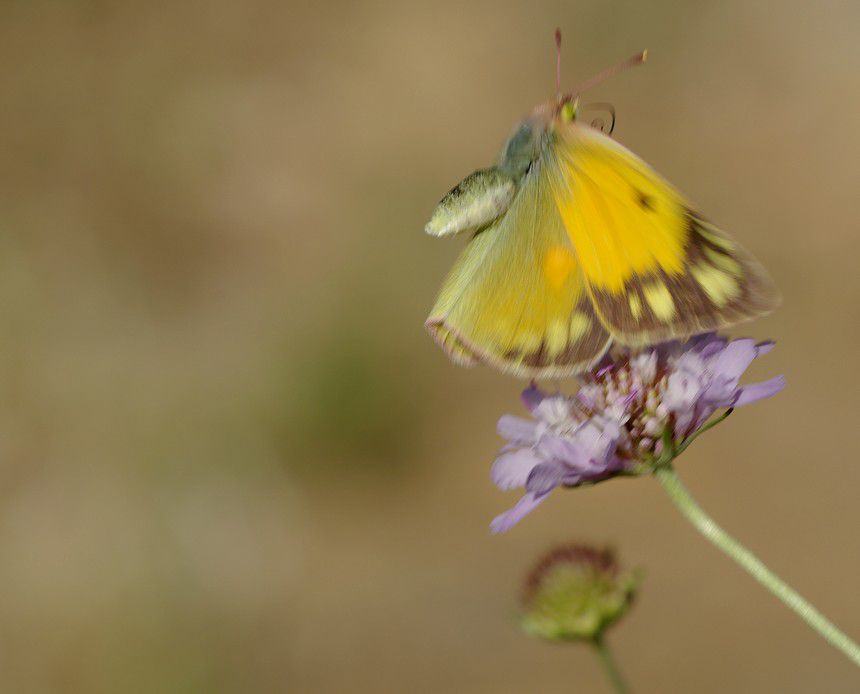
x,y
610,667
670,481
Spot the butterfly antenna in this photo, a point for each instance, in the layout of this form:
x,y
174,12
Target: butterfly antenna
x,y
604,75
558,63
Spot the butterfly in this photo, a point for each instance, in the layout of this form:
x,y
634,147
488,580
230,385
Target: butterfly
x,y
577,243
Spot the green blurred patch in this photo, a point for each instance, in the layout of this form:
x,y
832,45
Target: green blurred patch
x,y
345,407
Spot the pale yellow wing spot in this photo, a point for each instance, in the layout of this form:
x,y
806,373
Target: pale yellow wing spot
x,y
458,352
660,300
717,284
580,324
530,341
635,306
724,262
556,338
707,233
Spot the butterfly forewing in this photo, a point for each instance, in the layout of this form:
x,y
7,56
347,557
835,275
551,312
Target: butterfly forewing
x,y
654,269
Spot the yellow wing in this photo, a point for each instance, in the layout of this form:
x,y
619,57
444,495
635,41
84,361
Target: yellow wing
x,y
515,299
653,267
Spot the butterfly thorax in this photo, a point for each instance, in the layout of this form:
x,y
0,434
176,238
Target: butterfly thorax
x,y
527,141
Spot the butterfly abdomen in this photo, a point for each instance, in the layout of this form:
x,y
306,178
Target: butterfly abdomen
x,y
473,203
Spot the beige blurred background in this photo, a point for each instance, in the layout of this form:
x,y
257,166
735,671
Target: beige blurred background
x,y
230,458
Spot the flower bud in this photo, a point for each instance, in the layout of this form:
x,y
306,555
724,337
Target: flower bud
x,y
574,592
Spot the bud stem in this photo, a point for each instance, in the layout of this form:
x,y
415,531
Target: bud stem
x,y
610,667
670,481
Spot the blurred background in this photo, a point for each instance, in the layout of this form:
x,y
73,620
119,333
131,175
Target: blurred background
x,y
231,460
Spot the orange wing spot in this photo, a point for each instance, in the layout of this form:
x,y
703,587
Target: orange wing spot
x,y
558,263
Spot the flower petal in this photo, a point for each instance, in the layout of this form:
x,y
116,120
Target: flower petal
x,y
686,421
507,520
645,365
532,397
598,438
683,389
516,429
734,359
511,469
545,477
707,344
758,391
553,410
568,452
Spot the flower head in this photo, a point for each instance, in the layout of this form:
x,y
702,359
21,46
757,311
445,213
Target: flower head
x,y
630,412
574,592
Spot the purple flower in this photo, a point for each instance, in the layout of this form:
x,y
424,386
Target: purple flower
x,y
615,424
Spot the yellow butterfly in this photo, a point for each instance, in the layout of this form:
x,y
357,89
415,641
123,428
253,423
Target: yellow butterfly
x,y
577,243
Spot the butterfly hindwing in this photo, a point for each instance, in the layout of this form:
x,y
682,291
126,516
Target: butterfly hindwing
x,y
654,269
515,299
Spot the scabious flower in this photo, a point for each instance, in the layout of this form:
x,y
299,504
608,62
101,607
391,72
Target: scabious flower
x,y
627,412
574,592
